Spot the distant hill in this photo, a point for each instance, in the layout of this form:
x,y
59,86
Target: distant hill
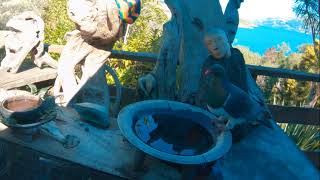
x,y
292,24
259,36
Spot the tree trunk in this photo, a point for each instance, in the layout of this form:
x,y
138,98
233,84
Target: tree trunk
x,y
191,22
166,66
314,94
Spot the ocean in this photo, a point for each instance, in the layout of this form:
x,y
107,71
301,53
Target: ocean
x,y
260,38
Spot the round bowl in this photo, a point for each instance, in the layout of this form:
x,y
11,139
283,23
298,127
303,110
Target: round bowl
x,y
25,111
21,103
173,131
21,107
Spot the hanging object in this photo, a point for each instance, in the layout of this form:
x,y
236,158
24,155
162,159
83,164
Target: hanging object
x,y
129,10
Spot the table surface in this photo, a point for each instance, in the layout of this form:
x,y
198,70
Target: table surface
x,y
104,150
264,154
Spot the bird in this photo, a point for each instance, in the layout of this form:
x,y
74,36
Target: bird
x,y
227,100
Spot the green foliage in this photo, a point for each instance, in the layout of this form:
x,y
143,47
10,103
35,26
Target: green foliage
x,y
57,23
36,90
32,88
309,62
249,56
145,35
283,91
306,137
9,8
2,53
289,92
308,10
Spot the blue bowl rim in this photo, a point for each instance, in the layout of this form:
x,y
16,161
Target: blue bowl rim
x,y
125,122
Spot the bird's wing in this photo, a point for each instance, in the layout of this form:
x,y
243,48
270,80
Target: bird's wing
x,y
239,104
242,105
254,90
233,122
263,117
256,94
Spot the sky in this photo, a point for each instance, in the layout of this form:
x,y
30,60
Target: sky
x,y
253,10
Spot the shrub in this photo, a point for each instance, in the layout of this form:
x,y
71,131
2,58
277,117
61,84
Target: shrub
x,y
14,7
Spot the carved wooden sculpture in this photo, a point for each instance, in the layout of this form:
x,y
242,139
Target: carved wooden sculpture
x,y
177,76
232,18
98,27
26,36
184,45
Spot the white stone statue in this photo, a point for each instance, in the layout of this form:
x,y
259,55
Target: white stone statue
x,y
26,36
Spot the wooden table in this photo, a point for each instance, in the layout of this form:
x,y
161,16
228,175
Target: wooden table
x,y
265,153
99,149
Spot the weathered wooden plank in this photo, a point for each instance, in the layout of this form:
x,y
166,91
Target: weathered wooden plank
x,y
295,115
282,114
53,48
141,56
256,70
134,56
283,73
99,149
29,76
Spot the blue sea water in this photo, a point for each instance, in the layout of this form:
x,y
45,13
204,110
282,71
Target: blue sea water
x,y
260,38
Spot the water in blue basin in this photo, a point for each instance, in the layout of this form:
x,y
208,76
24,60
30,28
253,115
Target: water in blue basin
x,y
170,133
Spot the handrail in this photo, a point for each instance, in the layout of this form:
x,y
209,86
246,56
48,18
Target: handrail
x,y
255,70
282,114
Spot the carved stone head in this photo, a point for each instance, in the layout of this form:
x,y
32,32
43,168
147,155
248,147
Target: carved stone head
x,y
217,43
97,20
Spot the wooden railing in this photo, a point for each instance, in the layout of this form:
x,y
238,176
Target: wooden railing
x,y
282,114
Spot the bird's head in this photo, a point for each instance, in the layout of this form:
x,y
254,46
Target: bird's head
x,y
214,74
215,82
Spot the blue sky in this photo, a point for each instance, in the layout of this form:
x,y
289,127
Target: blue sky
x,y
253,10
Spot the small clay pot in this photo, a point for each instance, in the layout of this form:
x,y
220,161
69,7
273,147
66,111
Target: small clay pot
x,y
21,107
